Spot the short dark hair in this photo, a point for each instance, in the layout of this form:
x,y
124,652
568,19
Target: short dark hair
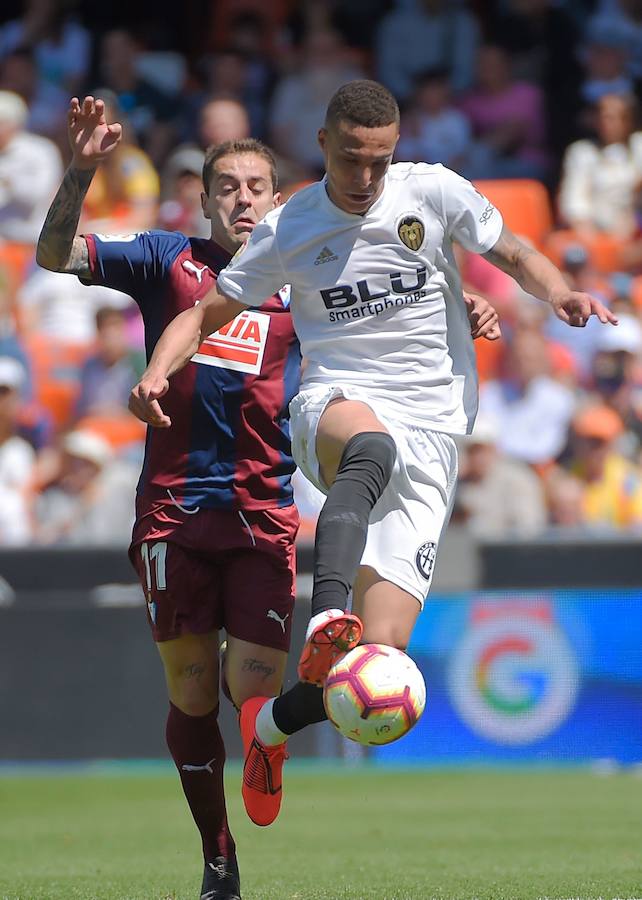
x,y
231,148
363,102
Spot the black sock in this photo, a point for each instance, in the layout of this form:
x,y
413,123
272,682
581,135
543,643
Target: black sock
x,y
300,706
364,471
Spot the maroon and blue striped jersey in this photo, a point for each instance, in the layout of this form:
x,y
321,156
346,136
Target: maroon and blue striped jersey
x,y
229,442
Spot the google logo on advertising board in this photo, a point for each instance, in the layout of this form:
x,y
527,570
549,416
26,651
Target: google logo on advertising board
x,y
513,677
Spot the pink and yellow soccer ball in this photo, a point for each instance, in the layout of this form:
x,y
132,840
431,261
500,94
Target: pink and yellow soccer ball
x,y
374,695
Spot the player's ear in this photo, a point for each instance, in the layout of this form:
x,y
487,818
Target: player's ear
x,y
322,137
278,199
204,199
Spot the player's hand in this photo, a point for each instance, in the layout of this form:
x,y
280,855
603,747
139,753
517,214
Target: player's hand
x,y
144,397
90,137
483,318
576,308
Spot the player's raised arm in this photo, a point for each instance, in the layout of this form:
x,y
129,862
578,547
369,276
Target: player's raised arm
x,y
538,276
176,346
91,139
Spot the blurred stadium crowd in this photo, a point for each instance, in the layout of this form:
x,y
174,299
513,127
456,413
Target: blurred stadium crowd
x,y
535,100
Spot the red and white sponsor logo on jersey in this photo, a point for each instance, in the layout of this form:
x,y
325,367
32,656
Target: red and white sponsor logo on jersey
x,y
239,345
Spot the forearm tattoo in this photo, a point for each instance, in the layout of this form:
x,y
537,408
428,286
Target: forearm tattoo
x,y
58,247
509,254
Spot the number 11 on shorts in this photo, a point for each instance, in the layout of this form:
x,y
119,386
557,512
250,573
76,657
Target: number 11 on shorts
x,y
155,554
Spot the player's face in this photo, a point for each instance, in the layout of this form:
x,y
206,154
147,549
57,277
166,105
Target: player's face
x,y
240,194
356,161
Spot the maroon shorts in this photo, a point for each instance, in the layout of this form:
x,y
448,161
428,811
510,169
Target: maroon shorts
x,y
217,569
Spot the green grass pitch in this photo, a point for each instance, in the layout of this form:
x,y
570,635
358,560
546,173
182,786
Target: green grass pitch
x,y
350,834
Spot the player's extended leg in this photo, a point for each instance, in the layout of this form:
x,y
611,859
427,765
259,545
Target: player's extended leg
x,y
194,739
258,590
388,614
356,456
253,673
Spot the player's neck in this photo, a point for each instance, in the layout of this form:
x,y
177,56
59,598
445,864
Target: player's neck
x,y
335,199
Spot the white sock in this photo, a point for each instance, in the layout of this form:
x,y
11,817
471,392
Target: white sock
x,y
321,618
266,729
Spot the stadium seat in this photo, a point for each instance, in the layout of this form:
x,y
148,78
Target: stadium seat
x,y
55,360
16,258
524,205
120,431
55,367
58,397
604,249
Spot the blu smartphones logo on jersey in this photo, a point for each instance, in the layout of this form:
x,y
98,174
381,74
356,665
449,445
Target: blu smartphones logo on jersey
x,y
513,678
348,301
239,345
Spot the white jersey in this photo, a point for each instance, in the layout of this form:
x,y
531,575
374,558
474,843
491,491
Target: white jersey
x,y
377,299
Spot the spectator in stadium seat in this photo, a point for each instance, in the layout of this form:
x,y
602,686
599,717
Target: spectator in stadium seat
x,y
577,268
612,485
17,459
497,496
108,374
221,120
625,17
539,35
429,34
433,130
30,168
606,56
616,375
248,37
181,186
532,409
508,121
90,499
61,45
46,101
600,176
564,500
63,310
150,112
300,98
124,194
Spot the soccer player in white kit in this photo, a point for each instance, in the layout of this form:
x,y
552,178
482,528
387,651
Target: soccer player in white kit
x,y
390,380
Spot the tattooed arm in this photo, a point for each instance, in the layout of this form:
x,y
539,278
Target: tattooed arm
x,y
59,247
91,140
538,276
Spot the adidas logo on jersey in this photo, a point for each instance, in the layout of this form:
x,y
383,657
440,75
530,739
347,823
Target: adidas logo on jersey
x,y
325,256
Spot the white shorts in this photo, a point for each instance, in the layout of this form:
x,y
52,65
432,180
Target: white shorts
x,y
409,517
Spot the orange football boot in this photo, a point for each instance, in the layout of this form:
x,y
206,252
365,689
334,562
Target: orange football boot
x,y
262,779
328,643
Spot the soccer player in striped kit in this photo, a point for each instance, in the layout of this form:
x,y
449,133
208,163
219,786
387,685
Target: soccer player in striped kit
x,y
214,513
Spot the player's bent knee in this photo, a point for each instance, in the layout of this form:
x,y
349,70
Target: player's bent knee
x,y
192,697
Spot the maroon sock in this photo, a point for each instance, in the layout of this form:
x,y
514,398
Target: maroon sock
x,y
196,745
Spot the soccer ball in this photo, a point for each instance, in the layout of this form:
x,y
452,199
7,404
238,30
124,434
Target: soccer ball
x,y
375,694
